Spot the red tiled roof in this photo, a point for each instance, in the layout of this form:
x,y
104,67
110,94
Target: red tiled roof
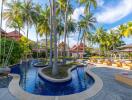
x,y
3,33
77,48
15,35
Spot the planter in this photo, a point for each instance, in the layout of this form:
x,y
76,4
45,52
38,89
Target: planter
x,y
39,65
53,80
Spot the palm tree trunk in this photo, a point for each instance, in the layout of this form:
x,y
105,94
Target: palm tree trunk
x,y
51,63
84,45
0,29
58,44
65,30
55,66
46,46
27,40
37,46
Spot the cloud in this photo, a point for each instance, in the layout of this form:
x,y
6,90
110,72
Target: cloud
x,y
77,12
112,14
100,3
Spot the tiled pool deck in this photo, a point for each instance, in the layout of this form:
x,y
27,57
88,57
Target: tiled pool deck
x,y
112,90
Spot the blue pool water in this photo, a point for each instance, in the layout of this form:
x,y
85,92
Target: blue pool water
x,y
31,82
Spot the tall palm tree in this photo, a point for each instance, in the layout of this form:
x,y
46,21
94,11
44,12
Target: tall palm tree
x,y
87,23
1,22
28,17
66,8
101,38
88,4
126,29
43,26
55,65
38,10
13,16
51,32
71,28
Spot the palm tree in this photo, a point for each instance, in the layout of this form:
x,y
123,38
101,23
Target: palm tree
x,y
86,24
55,65
43,26
100,38
2,3
38,10
88,4
30,16
51,30
28,19
13,16
126,29
71,28
66,8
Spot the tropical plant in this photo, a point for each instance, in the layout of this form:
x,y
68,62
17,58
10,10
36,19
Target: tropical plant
x,y
88,4
13,15
64,6
43,26
13,18
51,32
24,42
86,24
126,29
16,53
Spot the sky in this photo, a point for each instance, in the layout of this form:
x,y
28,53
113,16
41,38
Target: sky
x,y
109,14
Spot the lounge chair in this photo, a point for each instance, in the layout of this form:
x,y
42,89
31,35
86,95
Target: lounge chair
x,y
117,63
100,61
108,62
124,78
127,65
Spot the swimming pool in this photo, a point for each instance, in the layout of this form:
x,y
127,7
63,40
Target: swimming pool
x,y
33,83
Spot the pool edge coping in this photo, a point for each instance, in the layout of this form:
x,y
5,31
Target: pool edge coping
x,y
19,93
69,77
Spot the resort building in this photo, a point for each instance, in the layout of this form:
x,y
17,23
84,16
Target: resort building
x,y
15,35
3,33
78,50
61,49
12,35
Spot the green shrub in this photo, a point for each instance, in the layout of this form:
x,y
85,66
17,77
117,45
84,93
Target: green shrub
x,y
16,53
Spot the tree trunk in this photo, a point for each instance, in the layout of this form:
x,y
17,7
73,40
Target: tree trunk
x,y
58,45
65,31
84,45
51,63
37,47
27,40
55,66
1,30
46,46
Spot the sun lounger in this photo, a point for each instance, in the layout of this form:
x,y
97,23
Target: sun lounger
x,y
100,61
127,65
117,64
124,78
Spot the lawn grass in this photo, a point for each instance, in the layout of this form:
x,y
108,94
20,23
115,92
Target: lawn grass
x,y
62,70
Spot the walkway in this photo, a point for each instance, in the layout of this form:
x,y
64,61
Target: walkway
x,y
4,93
112,90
